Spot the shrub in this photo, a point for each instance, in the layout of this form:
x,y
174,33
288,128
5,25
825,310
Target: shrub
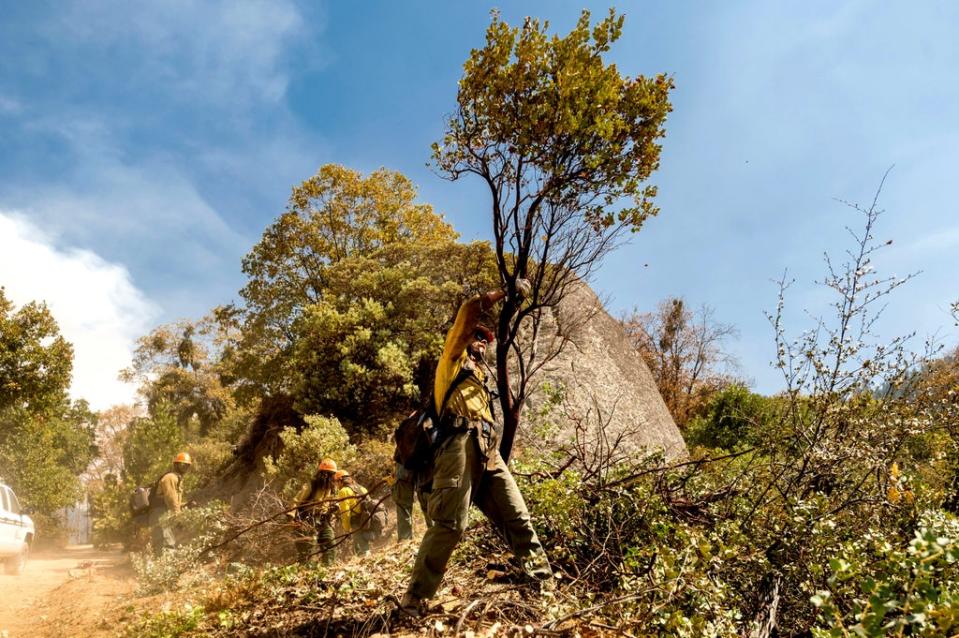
x,y
168,623
196,529
734,418
302,452
373,464
209,458
620,539
110,508
880,587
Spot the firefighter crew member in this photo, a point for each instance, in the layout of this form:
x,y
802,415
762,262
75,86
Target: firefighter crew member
x,y
315,505
467,467
352,517
166,497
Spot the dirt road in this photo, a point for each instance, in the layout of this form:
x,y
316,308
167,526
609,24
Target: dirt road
x,y
62,593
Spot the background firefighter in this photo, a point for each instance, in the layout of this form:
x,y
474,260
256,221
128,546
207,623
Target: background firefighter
x,y
166,497
316,507
353,519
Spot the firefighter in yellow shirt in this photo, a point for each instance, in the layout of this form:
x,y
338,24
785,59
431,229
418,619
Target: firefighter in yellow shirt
x,y
166,497
352,517
315,505
467,467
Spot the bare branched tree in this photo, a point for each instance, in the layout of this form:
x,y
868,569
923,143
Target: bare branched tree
x,y
685,352
837,361
111,433
845,416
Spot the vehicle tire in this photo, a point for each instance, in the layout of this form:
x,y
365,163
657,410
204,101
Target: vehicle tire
x,y
15,565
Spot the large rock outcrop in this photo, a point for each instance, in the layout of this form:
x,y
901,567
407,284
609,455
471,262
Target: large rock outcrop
x,y
610,403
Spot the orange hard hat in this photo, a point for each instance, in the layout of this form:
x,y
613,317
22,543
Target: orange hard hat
x,y
183,457
327,465
341,474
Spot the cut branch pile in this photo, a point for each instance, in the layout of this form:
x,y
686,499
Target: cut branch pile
x,y
482,595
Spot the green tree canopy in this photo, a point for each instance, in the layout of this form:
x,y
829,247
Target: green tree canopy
x,y
176,365
150,445
336,215
46,441
35,360
348,297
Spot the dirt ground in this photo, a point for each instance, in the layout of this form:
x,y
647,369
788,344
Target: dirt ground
x,y
64,593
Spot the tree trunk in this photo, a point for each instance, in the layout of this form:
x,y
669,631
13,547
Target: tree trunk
x,y
510,423
510,410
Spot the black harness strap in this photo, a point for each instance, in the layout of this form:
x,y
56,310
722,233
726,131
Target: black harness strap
x,y
461,376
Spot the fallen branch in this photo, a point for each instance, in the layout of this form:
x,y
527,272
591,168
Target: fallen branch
x,y
466,612
582,612
632,478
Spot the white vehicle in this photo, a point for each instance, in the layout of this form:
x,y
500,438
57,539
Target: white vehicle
x,y
16,532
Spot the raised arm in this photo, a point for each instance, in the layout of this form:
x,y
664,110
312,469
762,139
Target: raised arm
x,y
461,334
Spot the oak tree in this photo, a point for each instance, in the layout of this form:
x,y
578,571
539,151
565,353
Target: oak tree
x,y
46,441
35,360
348,295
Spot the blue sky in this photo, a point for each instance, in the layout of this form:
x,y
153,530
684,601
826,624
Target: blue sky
x,y
145,146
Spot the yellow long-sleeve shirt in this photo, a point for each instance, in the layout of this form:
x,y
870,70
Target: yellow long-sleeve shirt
x,y
170,491
316,498
349,499
470,399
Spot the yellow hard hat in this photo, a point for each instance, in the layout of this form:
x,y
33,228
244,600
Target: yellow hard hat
x,y
327,465
183,457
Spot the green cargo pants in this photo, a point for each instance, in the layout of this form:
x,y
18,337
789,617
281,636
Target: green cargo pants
x,y
161,533
404,489
464,475
306,546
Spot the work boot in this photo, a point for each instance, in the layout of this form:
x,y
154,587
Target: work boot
x,y
536,566
412,606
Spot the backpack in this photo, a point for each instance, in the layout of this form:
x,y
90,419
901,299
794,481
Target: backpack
x,y
372,516
140,500
417,435
378,523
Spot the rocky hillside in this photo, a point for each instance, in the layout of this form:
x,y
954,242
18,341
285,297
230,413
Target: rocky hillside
x,y
609,395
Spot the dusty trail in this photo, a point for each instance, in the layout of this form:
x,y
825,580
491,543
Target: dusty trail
x,y
62,593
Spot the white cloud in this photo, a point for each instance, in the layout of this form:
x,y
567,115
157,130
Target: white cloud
x,y
189,140
221,51
146,210
99,309
941,241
